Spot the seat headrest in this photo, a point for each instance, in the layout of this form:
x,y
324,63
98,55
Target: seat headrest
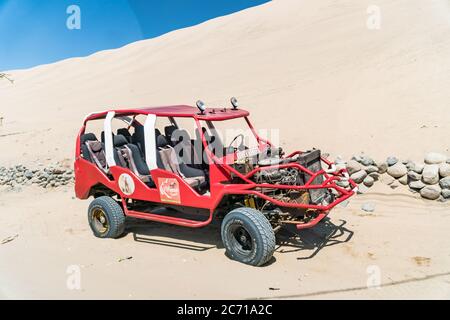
x,y
96,146
124,132
161,141
88,137
169,130
120,140
102,136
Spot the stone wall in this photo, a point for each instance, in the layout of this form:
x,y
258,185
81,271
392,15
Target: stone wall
x,y
52,176
430,177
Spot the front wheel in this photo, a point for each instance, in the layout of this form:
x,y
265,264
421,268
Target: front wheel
x,y
248,236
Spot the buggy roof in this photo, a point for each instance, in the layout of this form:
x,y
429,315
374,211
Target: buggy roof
x,y
210,114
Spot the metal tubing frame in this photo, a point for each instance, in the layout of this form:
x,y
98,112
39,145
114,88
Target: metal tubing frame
x,y
327,184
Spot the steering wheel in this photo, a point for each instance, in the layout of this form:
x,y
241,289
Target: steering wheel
x,y
241,144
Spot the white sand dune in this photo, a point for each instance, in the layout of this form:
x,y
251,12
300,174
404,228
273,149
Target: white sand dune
x,y
327,80
310,68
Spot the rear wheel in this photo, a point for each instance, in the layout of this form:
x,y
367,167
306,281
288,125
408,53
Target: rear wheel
x,y
248,236
106,218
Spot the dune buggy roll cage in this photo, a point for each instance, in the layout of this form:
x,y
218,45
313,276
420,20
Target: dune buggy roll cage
x,y
218,189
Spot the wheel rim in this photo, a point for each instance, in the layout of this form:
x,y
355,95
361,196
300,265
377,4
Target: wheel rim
x,y
100,221
241,240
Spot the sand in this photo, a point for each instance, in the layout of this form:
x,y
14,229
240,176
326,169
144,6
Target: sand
x,y
325,80
405,239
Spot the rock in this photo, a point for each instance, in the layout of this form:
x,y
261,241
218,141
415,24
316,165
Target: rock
x,y
403,180
353,167
28,174
368,207
430,174
335,193
434,158
343,183
359,176
357,158
362,189
391,161
418,167
445,183
368,181
410,165
382,167
366,161
431,192
395,184
340,165
375,176
398,170
59,171
444,170
371,169
445,193
416,185
414,176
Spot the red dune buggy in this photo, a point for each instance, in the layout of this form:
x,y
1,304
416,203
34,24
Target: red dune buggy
x,y
154,166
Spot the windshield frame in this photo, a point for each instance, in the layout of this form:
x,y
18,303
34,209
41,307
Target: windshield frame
x,y
231,157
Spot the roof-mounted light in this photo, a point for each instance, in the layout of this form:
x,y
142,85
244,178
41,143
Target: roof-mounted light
x,y
234,103
201,106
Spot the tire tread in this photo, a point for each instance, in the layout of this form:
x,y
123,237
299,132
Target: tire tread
x,y
115,215
264,228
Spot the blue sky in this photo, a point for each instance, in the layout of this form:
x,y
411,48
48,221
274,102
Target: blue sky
x,y
34,32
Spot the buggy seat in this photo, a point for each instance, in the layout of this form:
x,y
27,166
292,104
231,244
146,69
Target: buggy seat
x,y
127,155
167,159
93,151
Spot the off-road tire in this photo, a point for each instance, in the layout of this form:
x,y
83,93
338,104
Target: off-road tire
x,y
114,217
257,227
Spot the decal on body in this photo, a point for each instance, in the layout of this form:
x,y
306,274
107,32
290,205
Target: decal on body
x,y
126,184
169,190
